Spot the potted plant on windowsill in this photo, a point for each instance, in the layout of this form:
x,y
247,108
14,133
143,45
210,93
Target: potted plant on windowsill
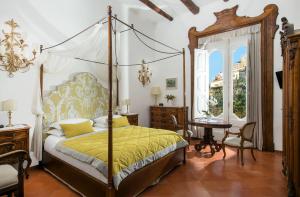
x,y
207,115
170,98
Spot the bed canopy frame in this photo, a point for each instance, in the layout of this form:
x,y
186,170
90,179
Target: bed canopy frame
x,y
111,31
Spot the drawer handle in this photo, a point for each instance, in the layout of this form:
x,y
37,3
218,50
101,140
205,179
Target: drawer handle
x,y
14,134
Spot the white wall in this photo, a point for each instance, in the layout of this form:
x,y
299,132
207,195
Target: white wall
x,y
141,98
139,95
176,34
44,22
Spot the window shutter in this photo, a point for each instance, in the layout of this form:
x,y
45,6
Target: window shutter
x,y
201,82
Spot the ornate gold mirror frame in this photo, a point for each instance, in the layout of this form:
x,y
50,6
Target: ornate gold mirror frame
x,y
227,20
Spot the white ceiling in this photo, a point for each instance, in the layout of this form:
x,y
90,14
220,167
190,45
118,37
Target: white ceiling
x,y
166,2
172,7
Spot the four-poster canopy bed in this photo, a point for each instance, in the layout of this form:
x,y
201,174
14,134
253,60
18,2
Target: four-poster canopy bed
x,y
87,183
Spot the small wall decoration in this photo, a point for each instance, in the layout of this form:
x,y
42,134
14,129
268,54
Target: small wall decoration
x,y
144,74
12,48
171,83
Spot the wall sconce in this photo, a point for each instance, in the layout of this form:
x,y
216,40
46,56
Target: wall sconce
x,y
144,74
12,49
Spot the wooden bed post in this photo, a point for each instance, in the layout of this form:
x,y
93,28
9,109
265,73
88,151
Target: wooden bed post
x,y
42,79
110,189
41,74
184,101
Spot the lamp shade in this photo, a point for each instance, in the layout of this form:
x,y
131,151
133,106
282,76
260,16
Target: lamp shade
x,y
9,105
155,91
126,102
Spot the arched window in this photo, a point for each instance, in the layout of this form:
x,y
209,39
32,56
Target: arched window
x,y
221,81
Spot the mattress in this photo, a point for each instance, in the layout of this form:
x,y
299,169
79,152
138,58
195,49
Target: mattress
x,y
134,148
49,147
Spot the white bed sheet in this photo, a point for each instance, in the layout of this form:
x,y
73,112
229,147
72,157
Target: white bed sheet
x,y
49,146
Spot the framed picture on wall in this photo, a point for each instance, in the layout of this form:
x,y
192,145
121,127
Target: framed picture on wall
x,y
171,83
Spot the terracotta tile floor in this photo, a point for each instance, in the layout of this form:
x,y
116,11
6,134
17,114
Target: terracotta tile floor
x,y
200,176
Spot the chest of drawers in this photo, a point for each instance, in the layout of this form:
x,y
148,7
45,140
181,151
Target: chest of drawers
x,y
19,136
160,117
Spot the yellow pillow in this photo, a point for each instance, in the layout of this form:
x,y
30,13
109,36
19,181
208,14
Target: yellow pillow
x,y
71,130
120,122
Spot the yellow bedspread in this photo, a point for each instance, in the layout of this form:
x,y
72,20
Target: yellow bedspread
x,y
133,148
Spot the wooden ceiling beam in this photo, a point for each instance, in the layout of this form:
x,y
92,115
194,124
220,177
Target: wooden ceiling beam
x,y
191,6
157,9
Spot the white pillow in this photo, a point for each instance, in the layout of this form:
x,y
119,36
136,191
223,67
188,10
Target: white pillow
x,y
100,125
56,132
56,125
102,121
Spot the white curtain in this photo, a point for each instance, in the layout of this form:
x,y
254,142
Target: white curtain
x,y
37,110
57,59
228,35
254,86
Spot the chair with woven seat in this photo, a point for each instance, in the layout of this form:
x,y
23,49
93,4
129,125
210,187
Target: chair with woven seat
x,y
12,180
242,140
178,129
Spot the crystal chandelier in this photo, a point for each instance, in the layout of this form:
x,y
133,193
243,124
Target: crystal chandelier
x,y
12,48
144,74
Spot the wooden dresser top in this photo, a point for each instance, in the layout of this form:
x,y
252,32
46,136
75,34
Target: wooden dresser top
x,y
175,107
15,128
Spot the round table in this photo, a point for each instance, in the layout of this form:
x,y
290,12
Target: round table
x,y
208,138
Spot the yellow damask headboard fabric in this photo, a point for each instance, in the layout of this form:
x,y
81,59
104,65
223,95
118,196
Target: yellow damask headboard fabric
x,y
82,97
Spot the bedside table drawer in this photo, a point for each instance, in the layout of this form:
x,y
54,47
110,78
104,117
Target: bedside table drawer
x,y
7,148
10,136
6,136
20,144
133,119
20,135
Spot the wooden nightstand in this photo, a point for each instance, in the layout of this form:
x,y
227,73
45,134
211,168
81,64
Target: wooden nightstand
x,y
18,135
133,118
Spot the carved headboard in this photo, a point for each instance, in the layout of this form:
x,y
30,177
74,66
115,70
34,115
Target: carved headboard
x,y
82,97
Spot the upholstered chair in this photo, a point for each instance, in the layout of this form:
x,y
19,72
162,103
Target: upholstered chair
x,y
178,129
11,179
242,140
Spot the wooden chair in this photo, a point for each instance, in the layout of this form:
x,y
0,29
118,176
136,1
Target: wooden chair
x,y
178,129
242,140
12,180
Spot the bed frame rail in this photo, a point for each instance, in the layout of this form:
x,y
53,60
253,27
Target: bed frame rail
x,y
86,185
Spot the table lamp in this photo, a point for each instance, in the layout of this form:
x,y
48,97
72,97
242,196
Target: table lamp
x,y
155,91
127,103
9,106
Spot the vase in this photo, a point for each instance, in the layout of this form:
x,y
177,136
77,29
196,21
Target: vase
x,y
171,103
